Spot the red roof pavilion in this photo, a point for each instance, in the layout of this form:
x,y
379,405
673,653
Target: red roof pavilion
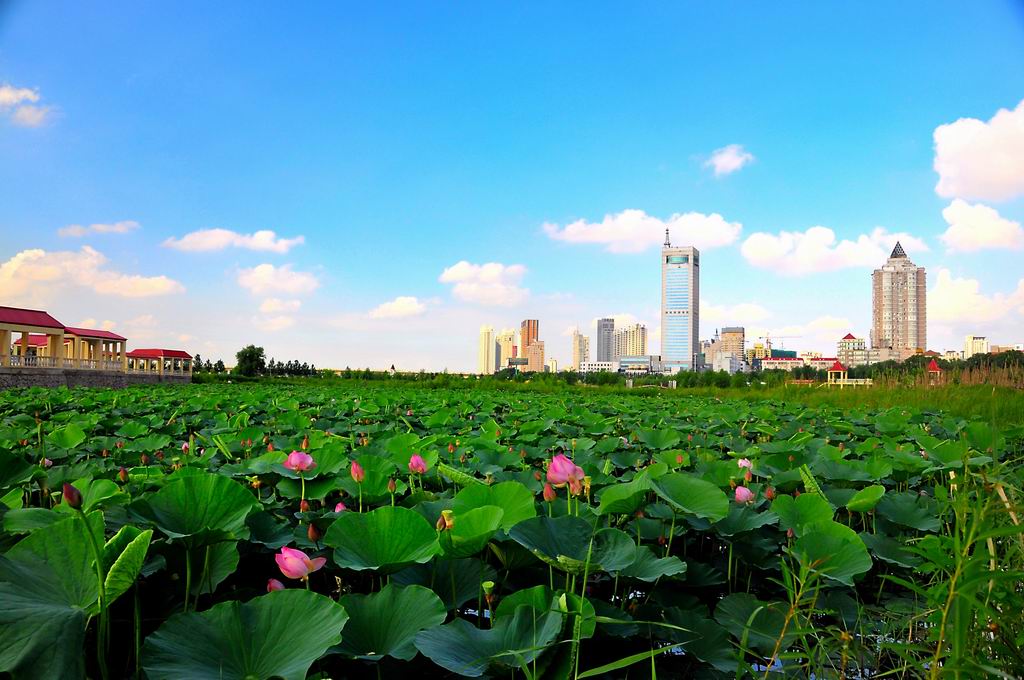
x,y
849,336
28,317
838,367
96,334
155,353
933,367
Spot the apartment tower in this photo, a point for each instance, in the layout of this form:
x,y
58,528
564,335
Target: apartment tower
x,y
580,349
605,333
680,306
898,306
629,341
733,339
487,353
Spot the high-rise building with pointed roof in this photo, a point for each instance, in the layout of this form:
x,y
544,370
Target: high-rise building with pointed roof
x,y
899,318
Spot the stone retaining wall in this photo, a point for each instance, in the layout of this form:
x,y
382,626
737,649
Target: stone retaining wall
x,y
67,377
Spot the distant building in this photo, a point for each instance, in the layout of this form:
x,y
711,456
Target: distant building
x,y
758,351
952,355
605,333
529,333
580,349
733,340
631,341
975,344
599,367
551,366
487,351
781,363
640,364
535,356
507,347
853,351
898,310
680,306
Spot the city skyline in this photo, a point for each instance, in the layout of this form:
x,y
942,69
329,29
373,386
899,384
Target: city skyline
x,y
371,201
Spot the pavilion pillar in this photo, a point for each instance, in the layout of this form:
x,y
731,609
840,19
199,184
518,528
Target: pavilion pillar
x,y
5,348
160,365
124,356
24,348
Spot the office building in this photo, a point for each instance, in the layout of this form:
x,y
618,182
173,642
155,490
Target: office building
x,y
535,356
605,333
975,344
852,351
487,352
529,333
599,367
899,320
551,366
580,346
507,347
629,341
680,306
733,339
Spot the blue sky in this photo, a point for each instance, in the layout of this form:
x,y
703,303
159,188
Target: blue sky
x,y
400,140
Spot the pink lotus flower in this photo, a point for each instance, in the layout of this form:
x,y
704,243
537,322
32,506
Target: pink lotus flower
x,y
417,465
744,463
744,495
340,507
47,463
296,564
184,447
297,461
273,584
358,474
562,471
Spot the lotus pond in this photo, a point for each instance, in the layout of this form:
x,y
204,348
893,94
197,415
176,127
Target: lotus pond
x,y
252,531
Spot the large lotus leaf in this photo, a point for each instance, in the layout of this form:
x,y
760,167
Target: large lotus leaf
x,y
455,581
565,542
515,500
743,518
96,493
47,591
123,557
692,495
471,531
866,499
834,550
627,497
403,446
26,520
890,550
388,538
198,508
211,564
385,623
910,509
466,650
67,437
658,439
278,635
762,629
646,566
702,637
14,470
801,512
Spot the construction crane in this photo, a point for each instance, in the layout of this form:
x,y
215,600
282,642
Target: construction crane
x,y
768,340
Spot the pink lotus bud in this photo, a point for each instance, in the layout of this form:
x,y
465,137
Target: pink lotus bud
x,y
47,463
392,487
769,493
296,564
679,459
297,461
451,448
789,533
72,496
184,447
313,533
744,463
122,474
270,447
144,459
273,584
748,475
549,494
303,505
340,507
744,495
357,472
417,465
305,443
408,412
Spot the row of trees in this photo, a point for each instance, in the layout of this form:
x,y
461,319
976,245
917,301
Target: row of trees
x,y
251,362
199,366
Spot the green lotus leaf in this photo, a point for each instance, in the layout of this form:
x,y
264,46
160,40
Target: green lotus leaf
x,y
515,500
566,543
454,581
385,623
646,566
866,499
278,635
692,495
388,539
833,550
761,623
658,439
910,509
801,512
471,531
68,437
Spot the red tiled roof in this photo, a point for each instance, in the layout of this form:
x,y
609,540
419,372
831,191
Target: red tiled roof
x,y
934,367
837,366
92,333
35,340
158,354
28,317
849,336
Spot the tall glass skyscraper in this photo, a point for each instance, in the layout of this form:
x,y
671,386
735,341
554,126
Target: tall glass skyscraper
x,y
680,306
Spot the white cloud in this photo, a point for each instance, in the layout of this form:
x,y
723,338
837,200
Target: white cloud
x,y
729,159
957,301
796,253
633,231
19,103
277,306
977,227
401,306
207,240
85,267
105,325
819,334
981,160
738,314
487,284
78,230
274,323
266,279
